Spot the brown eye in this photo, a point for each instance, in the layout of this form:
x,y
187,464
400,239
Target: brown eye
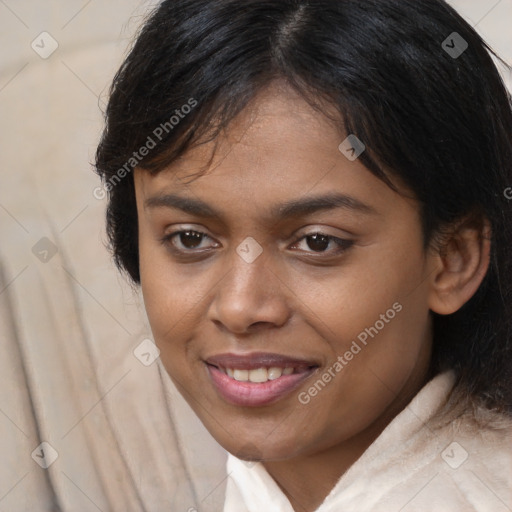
x,y
185,240
190,239
320,243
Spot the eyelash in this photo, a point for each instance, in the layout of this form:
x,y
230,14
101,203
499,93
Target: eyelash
x,y
343,245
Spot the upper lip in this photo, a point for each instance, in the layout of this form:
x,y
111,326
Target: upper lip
x,y
258,360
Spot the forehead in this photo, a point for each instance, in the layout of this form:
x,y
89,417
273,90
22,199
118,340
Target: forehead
x,y
276,125
278,149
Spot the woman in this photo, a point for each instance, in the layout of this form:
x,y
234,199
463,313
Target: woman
x,y
317,218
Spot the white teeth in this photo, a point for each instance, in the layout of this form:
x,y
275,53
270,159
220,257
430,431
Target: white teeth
x,y
242,375
274,373
258,375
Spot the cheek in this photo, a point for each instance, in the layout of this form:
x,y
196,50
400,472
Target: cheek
x,y
366,294
165,299
162,283
176,299
377,319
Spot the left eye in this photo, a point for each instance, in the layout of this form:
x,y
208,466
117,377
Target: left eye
x,y
319,242
191,240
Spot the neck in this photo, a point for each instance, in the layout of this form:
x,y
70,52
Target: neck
x,y
307,480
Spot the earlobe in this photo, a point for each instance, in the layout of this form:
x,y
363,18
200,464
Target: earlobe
x,y
461,263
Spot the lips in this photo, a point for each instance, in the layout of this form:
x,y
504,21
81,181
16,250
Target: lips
x,y
258,360
257,379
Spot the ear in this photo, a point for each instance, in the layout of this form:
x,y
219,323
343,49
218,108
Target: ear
x,y
461,260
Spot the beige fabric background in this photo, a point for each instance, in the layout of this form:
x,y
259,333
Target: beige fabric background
x,y
69,324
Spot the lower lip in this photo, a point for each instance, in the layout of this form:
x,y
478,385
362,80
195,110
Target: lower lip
x,y
255,394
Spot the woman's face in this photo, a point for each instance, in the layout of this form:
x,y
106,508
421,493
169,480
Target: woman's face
x,y
292,313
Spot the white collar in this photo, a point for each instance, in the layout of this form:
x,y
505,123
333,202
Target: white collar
x,y
250,488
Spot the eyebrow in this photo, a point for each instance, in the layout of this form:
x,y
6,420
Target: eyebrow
x,y
279,212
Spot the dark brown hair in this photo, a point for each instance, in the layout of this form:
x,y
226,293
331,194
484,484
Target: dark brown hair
x,y
410,78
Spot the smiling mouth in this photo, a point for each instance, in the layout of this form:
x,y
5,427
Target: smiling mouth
x,y
257,379
260,375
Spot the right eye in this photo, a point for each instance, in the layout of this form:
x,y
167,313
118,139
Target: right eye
x,y
185,241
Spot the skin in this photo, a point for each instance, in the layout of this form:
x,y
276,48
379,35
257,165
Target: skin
x,y
297,298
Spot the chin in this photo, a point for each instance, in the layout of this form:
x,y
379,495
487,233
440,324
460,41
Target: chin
x,y
247,447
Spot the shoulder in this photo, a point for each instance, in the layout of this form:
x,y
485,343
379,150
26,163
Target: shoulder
x,y
456,458
475,466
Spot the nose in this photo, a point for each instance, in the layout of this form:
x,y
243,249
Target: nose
x,y
250,296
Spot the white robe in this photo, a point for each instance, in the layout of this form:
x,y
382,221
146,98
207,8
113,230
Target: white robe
x,y
411,467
